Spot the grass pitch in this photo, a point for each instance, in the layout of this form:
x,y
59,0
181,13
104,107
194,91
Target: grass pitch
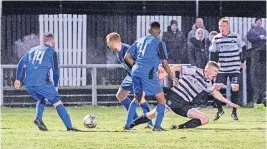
x,y
19,132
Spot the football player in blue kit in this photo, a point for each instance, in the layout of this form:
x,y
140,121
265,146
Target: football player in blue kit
x,y
150,52
115,44
37,63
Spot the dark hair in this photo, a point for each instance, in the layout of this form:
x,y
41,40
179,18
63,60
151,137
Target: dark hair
x,y
257,19
154,25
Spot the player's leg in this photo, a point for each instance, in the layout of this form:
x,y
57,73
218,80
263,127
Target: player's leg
x,y
138,93
145,107
221,80
40,105
235,94
125,101
153,87
198,118
49,92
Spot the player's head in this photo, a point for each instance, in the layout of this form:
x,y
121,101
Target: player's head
x,y
258,22
211,70
154,29
173,25
199,23
113,41
224,27
200,34
48,38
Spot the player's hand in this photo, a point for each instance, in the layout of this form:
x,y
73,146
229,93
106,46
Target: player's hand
x,y
234,105
242,65
17,84
175,81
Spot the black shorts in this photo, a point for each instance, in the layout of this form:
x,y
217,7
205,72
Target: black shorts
x,y
222,78
177,103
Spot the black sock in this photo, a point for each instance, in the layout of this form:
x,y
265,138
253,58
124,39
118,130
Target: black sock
x,y
193,123
140,120
234,110
219,105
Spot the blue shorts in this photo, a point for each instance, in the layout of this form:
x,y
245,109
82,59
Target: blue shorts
x,y
127,84
47,91
151,87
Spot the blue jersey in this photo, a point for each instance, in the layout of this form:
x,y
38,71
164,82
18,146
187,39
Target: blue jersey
x,y
149,53
38,62
120,56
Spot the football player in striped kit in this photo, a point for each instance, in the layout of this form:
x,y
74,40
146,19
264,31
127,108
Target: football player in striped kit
x,y
181,98
229,50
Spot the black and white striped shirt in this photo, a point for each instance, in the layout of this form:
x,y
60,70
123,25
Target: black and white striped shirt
x,y
191,83
229,49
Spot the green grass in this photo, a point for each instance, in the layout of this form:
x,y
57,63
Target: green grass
x,y
18,131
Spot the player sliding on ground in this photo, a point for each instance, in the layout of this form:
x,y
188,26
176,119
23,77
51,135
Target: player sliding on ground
x,y
114,43
179,98
38,62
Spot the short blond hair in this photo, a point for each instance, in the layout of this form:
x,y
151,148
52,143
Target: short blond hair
x,y
113,37
223,20
212,64
48,36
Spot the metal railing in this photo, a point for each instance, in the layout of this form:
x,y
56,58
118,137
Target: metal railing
x,y
94,68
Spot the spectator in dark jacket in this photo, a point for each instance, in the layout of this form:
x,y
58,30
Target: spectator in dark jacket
x,y
198,24
256,34
257,55
198,49
175,42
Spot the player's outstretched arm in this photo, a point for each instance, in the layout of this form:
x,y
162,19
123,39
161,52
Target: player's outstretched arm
x,y
19,72
220,97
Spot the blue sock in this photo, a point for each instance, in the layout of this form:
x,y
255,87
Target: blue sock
x,y
160,114
40,106
131,112
62,112
126,103
145,107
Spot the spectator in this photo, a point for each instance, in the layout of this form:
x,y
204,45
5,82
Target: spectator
x,y
198,49
257,36
208,41
198,24
175,42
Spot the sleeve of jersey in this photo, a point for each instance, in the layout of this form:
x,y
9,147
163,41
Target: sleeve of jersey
x,y
133,50
188,70
163,51
20,67
55,70
243,48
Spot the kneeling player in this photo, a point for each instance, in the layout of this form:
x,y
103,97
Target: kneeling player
x,y
179,98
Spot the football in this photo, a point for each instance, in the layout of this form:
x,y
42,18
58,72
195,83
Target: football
x,y
89,121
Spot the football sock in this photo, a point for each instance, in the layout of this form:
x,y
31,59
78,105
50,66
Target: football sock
x,y
140,120
160,114
190,124
40,106
218,104
62,112
145,107
131,112
126,103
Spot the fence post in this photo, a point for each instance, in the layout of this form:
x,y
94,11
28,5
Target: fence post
x,y
244,84
94,86
1,86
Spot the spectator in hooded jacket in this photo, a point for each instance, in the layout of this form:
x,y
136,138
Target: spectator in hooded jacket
x,y
175,42
198,49
257,33
198,24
